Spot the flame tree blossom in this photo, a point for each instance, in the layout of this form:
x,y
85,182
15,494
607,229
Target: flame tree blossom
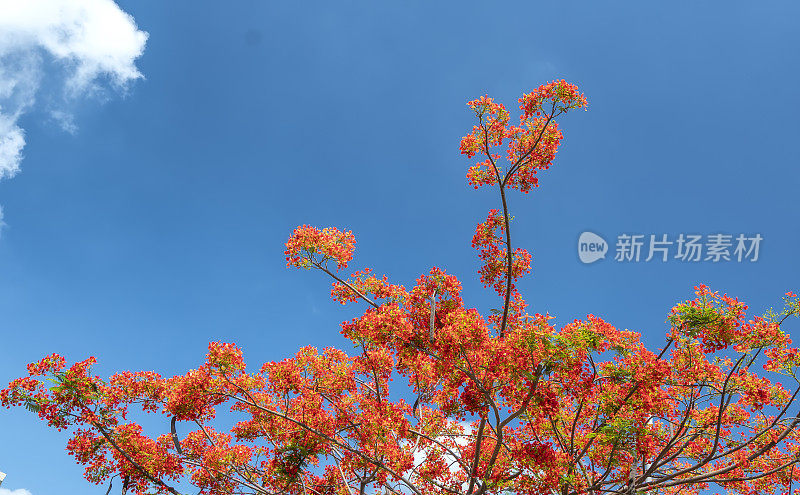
x,y
504,403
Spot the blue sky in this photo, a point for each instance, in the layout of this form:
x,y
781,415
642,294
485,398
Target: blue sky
x,y
149,214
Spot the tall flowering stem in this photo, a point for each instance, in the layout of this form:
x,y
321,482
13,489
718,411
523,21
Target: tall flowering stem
x,y
529,147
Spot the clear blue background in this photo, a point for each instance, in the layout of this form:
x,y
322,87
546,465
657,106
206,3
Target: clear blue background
x,y
160,226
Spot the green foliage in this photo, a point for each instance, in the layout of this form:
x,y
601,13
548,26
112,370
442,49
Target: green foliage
x,y
694,319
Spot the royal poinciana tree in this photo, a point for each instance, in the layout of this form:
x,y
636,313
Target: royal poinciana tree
x,y
439,399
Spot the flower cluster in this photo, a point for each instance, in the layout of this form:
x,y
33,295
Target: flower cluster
x,y
309,246
561,94
366,283
494,269
530,147
716,319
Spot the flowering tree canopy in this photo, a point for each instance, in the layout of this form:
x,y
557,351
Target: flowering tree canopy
x,y
439,399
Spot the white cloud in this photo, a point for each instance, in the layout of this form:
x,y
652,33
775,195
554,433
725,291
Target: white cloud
x,y
12,140
451,441
91,37
65,120
18,491
87,42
